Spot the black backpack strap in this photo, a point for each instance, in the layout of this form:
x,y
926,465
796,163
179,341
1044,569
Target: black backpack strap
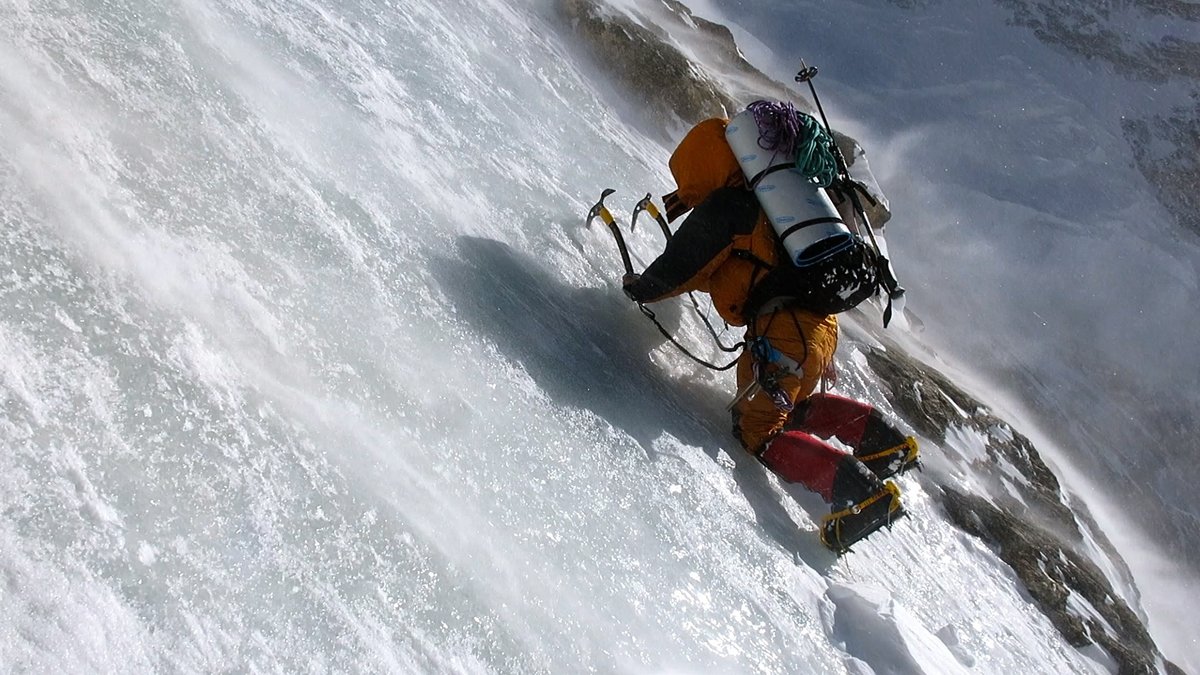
x,y
768,171
755,299
844,186
674,206
749,257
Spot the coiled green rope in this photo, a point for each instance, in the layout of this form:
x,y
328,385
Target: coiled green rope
x,y
814,154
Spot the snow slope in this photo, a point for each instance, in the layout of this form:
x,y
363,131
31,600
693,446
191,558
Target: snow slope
x,y
307,364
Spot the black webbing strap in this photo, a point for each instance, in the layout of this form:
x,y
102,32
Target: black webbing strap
x,y
768,171
808,223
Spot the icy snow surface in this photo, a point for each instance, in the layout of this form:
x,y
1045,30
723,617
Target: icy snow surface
x,y
308,365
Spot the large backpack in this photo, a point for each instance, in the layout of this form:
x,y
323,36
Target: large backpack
x,y
824,265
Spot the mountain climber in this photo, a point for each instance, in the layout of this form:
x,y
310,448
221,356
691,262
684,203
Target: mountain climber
x,y
722,248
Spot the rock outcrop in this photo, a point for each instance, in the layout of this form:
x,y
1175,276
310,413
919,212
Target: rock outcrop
x,y
653,57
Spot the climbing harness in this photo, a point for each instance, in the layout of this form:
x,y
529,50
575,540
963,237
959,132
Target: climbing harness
x,y
764,356
769,367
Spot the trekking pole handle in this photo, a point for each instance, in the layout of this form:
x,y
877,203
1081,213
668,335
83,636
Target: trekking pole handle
x,y
806,73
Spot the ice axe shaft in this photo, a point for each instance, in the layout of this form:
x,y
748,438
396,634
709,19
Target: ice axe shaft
x,y
748,391
599,209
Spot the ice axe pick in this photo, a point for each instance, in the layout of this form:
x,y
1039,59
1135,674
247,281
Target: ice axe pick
x,y
648,206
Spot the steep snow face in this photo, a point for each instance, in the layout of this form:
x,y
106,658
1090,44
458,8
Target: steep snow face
x,y
307,363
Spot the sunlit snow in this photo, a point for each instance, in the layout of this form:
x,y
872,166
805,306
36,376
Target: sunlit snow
x,y
307,363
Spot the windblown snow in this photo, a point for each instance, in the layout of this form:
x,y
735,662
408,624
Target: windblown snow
x,y
307,363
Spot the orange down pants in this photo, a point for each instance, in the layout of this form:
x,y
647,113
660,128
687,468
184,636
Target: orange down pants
x,y
810,340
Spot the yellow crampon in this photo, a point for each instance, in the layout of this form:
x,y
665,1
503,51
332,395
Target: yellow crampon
x,y
890,490
909,457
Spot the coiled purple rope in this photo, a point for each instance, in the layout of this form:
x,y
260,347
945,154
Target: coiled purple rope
x,y
778,126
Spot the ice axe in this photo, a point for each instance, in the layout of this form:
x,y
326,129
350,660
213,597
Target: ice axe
x,y
648,206
599,209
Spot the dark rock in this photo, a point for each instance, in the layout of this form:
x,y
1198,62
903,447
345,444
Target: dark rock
x,y
1095,32
1092,30
1053,573
643,64
931,403
1175,173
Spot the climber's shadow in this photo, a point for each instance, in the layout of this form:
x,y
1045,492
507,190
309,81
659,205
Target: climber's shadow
x,y
588,348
